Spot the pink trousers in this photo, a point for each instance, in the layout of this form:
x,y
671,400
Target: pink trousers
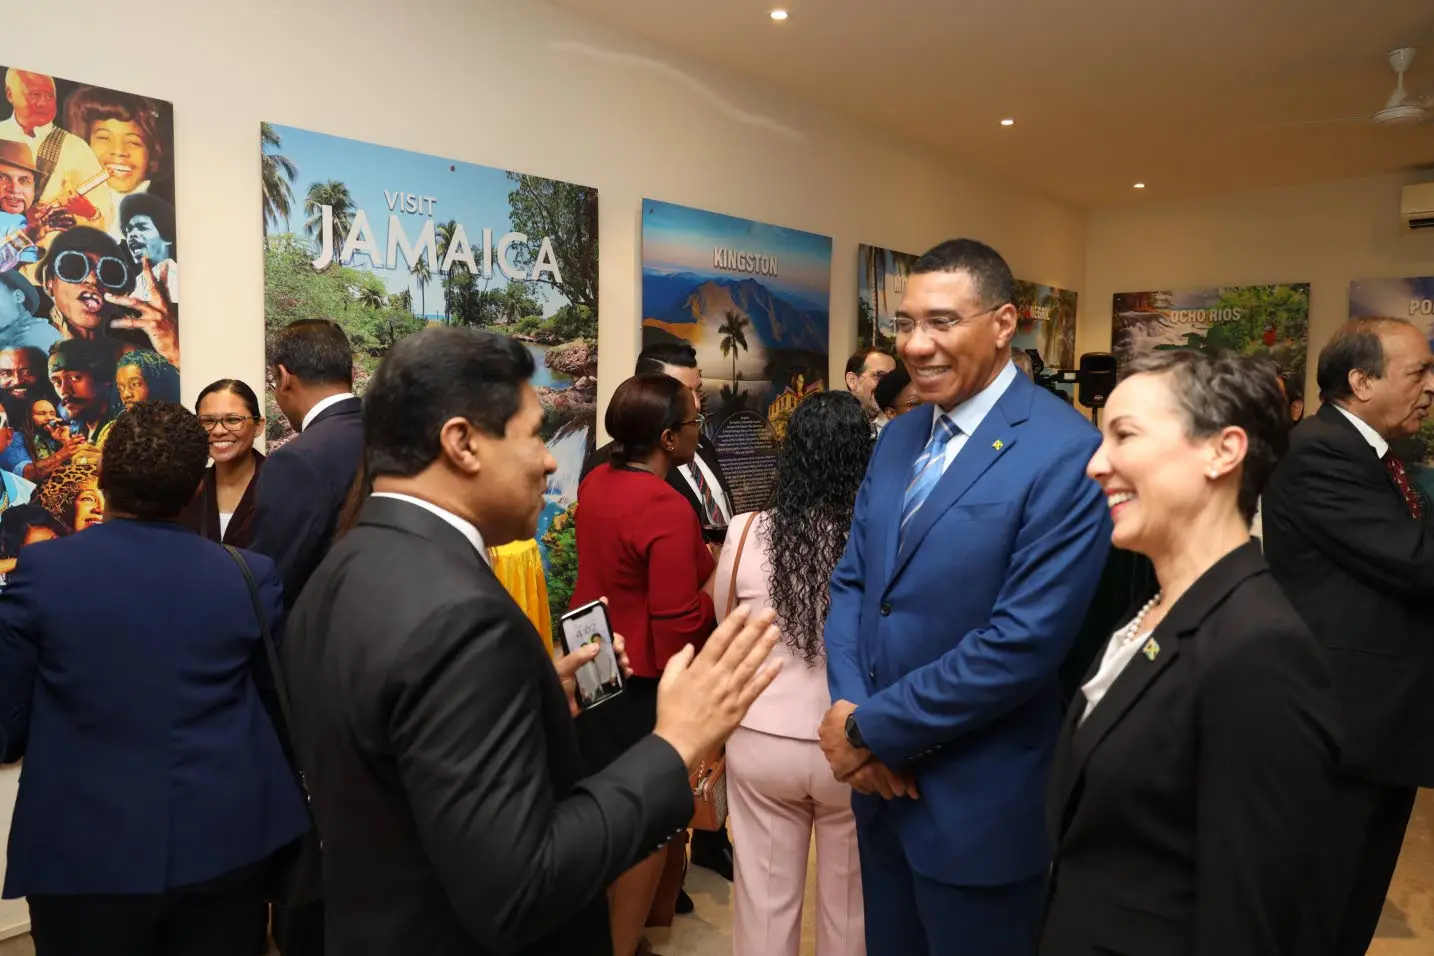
x,y
780,790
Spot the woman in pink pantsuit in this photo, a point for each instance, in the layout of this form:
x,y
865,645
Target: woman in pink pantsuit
x,y
780,787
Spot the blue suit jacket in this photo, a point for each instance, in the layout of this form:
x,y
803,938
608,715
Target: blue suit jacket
x,y
951,647
128,684
302,490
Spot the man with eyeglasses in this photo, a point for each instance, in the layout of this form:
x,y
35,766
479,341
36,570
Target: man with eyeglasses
x,y
976,545
864,370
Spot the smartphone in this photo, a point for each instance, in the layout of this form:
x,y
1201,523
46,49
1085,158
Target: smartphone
x,y
599,680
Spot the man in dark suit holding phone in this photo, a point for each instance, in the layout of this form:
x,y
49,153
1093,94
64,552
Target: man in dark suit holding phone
x,y
1348,539
442,758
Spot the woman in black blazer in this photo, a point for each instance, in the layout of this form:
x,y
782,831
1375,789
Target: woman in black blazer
x,y
223,511
1191,778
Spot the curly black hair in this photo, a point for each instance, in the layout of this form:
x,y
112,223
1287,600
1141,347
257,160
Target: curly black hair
x,y
819,468
154,459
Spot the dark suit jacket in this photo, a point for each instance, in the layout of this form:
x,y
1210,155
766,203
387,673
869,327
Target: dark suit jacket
x,y
443,762
706,452
302,492
1360,571
1189,807
202,515
150,761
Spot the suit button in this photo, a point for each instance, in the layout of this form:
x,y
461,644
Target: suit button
x,y
871,673
885,609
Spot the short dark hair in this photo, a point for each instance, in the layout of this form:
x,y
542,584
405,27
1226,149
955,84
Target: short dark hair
x,y
1354,347
430,377
16,522
642,408
857,363
95,357
235,387
655,358
890,386
990,275
1219,390
158,211
315,351
154,459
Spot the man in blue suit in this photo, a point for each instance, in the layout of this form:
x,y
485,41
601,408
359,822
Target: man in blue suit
x,y
975,548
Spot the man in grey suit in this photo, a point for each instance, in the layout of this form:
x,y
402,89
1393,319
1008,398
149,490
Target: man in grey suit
x,y
437,741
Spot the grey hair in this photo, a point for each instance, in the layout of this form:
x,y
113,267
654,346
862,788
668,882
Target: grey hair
x,y
1215,391
1354,347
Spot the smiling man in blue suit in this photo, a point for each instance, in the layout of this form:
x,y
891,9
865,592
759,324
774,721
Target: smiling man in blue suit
x,y
975,548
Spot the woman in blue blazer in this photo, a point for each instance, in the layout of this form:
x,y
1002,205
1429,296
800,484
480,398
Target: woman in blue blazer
x,y
155,787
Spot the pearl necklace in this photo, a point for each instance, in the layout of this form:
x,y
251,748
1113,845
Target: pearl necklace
x,y
1133,630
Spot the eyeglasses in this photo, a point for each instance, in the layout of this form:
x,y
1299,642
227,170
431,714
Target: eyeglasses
x,y
938,325
73,266
230,422
699,421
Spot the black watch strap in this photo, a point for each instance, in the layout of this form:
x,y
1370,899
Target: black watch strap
x,y
853,732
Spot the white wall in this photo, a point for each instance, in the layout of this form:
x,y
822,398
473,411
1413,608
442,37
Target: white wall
x,y
518,85
1325,234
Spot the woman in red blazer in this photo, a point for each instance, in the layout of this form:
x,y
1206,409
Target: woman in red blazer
x,y
640,546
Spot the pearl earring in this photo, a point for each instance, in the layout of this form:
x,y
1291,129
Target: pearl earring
x,y
1214,474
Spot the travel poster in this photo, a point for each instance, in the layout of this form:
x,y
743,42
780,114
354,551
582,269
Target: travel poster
x,y
881,282
754,301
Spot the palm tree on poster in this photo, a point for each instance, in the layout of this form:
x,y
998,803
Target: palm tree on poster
x,y
876,269
337,197
278,172
734,339
423,275
372,297
446,232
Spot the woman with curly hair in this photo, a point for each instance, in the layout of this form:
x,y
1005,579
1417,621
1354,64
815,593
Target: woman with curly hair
x,y
780,788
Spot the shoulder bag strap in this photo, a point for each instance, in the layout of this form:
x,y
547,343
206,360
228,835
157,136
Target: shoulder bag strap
x,y
275,668
737,563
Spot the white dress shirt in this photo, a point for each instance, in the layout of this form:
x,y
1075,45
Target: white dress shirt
x,y
713,485
968,416
322,404
1380,446
1117,655
463,525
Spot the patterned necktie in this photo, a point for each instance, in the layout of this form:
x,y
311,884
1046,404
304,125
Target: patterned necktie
x,y
711,514
1395,467
927,470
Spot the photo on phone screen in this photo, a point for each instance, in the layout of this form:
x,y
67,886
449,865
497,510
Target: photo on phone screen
x,y
600,679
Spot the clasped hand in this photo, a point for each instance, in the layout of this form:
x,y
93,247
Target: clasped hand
x,y
858,767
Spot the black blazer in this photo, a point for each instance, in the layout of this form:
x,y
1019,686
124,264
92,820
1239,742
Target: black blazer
x,y
302,491
202,514
708,453
1189,807
1360,571
442,760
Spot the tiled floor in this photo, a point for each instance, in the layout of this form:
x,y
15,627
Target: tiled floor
x,y
1407,928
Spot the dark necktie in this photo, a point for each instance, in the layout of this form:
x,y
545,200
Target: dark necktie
x,y
711,514
1396,470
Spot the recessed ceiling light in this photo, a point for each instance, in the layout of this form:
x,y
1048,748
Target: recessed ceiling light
x,y
1139,186
1008,122
779,14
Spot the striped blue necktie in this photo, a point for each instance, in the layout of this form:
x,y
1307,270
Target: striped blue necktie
x,y
927,470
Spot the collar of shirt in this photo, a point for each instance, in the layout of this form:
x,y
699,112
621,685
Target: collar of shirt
x,y
466,527
969,415
713,485
1380,446
40,131
322,404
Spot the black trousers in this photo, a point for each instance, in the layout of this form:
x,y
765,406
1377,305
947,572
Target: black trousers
x,y
299,930
1361,848
221,917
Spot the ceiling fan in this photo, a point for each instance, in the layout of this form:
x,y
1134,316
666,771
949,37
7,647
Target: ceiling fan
x,y
1402,109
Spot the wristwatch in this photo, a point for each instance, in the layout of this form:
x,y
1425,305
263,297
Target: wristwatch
x,y
853,732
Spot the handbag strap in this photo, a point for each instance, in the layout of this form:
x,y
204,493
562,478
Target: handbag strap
x,y
273,653
737,563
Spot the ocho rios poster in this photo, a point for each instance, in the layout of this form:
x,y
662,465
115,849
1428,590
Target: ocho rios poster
x,y
1411,300
385,241
1267,320
89,291
881,282
754,301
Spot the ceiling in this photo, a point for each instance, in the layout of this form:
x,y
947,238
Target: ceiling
x,y
1191,98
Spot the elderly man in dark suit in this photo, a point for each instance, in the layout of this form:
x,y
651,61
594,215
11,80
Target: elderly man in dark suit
x,y
438,742
298,499
1348,539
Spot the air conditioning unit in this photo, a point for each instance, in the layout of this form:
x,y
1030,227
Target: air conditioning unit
x,y
1417,206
